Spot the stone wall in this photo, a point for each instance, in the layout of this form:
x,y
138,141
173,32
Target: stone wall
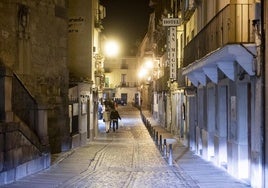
x,y
33,43
16,148
21,153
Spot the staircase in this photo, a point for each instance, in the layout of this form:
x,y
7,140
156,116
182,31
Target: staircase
x,y
24,147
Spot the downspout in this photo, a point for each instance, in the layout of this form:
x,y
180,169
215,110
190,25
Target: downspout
x,y
264,77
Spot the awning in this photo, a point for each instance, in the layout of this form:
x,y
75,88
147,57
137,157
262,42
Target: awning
x,y
224,59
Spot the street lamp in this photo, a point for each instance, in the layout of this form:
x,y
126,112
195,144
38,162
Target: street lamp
x,y
142,73
111,48
111,51
146,70
149,64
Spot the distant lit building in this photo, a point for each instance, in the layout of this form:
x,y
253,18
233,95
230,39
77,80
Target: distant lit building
x,y
120,80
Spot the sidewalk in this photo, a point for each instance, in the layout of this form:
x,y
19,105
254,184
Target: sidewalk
x,y
203,172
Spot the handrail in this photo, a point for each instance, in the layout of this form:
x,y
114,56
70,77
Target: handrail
x,y
24,107
23,103
26,132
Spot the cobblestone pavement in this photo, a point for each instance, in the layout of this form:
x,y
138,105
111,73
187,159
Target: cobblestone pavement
x,y
125,158
129,158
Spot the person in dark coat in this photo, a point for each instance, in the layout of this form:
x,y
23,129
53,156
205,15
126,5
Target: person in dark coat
x,y
114,116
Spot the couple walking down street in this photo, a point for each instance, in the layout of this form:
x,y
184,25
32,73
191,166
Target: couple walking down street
x,y
111,116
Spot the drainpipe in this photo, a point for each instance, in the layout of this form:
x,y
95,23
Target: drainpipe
x,y
258,25
265,77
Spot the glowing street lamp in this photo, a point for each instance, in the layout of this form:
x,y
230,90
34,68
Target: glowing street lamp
x,y
146,69
142,73
111,48
149,64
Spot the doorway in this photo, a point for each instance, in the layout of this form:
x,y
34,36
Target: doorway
x,y
222,127
124,98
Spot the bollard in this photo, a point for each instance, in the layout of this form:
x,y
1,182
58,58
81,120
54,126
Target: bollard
x,y
153,134
170,161
160,143
165,148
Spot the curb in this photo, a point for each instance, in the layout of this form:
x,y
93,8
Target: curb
x,y
60,157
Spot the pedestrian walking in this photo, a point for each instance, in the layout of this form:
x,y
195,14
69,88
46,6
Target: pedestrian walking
x,y
107,119
100,111
114,116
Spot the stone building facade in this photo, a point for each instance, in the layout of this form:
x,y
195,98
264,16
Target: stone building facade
x,y
33,53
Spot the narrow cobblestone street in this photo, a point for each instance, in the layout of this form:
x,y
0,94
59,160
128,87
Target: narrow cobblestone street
x,y
128,158
125,158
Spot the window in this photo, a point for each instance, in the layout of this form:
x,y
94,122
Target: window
x,y
123,79
124,64
107,82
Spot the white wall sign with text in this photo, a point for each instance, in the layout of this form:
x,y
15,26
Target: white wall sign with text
x,y
172,52
171,22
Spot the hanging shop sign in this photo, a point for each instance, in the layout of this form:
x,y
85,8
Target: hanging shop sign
x,y
172,52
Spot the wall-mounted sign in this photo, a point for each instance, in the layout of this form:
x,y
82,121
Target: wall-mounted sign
x,y
172,52
83,108
171,22
75,24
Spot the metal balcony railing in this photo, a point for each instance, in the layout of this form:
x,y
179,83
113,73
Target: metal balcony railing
x,y
230,26
161,84
128,84
188,7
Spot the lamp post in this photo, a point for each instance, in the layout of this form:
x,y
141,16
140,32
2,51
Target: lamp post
x,y
111,51
111,48
146,75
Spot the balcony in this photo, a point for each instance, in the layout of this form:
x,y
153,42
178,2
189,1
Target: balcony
x,y
98,25
128,84
161,84
230,26
188,7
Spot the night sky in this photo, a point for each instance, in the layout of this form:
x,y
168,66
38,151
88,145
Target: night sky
x,y
126,21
